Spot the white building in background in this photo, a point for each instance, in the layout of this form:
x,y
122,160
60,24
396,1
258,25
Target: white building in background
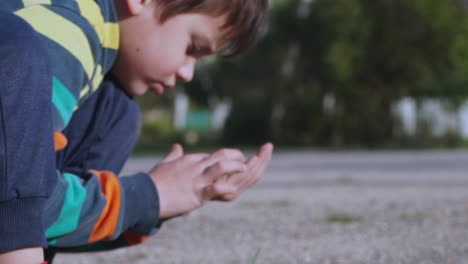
x,y
463,119
433,112
217,114
406,112
181,107
221,111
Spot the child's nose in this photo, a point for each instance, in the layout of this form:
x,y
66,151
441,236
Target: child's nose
x,y
185,73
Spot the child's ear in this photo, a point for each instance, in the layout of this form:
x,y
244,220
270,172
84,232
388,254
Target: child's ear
x,y
136,6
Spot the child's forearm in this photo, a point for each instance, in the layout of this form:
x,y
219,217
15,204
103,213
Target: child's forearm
x,y
23,256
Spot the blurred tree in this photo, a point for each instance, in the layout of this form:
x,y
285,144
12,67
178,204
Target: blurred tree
x,y
360,55
386,49
326,72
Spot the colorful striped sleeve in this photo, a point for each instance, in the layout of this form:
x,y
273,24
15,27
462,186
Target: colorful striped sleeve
x,y
101,208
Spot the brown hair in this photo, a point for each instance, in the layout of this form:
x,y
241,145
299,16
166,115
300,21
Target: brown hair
x,y
244,19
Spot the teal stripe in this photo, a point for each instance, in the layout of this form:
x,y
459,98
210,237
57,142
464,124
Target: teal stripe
x,y
69,216
63,100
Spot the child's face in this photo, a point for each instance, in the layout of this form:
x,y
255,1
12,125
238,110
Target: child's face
x,y
153,56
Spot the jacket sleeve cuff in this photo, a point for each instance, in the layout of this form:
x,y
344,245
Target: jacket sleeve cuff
x,y
141,204
21,224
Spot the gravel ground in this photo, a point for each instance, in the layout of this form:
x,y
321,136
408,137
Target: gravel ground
x,y
323,207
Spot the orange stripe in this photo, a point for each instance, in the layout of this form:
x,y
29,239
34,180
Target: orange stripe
x,y
134,239
107,222
60,141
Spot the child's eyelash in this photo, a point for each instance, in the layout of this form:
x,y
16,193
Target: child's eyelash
x,y
194,49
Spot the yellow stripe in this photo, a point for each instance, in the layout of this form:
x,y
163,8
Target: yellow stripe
x,y
111,36
90,10
84,91
97,78
27,3
108,33
62,31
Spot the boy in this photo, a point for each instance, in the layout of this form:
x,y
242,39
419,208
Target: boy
x,y
61,50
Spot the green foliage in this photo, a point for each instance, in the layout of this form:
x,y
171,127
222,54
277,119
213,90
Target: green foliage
x,y
414,216
254,260
343,219
366,53
156,136
247,124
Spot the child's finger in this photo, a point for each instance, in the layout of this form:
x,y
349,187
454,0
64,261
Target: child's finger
x,y
222,168
239,182
208,193
195,157
224,154
228,190
252,161
257,170
265,154
266,151
222,189
256,175
239,179
225,192
255,165
220,192
176,152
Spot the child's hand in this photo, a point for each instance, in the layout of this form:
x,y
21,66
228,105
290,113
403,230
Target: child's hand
x,y
232,185
186,182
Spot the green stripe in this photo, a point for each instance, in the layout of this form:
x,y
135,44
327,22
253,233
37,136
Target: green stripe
x,y
63,100
69,216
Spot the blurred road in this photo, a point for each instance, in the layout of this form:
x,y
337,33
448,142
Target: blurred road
x,y
324,207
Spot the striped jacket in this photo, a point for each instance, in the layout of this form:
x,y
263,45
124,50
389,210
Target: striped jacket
x,y
82,38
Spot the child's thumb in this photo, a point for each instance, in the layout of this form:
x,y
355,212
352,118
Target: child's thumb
x,y
176,152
